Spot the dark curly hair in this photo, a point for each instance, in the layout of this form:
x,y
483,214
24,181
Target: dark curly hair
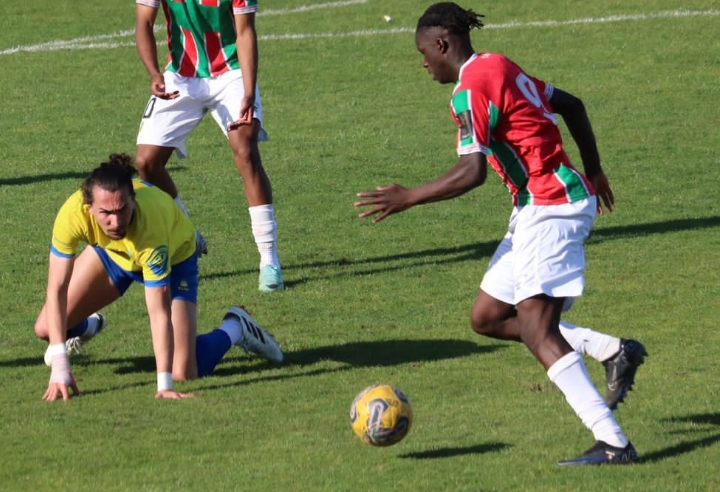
x,y
450,16
114,175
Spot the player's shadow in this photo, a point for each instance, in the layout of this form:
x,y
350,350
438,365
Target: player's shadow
x,y
491,447
40,178
389,352
706,421
342,267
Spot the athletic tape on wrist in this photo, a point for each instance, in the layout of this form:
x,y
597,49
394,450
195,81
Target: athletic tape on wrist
x,y
164,381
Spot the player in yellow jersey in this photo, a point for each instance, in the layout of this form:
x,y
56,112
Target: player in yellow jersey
x,y
135,233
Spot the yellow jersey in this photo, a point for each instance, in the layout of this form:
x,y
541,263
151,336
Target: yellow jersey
x,y
159,235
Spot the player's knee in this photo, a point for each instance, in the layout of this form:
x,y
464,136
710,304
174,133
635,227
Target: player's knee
x,y
482,324
41,329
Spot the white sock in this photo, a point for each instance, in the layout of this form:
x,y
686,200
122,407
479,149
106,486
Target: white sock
x,y
92,327
570,375
180,203
599,346
231,326
264,229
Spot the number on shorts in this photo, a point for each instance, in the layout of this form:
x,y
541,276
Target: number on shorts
x,y
150,107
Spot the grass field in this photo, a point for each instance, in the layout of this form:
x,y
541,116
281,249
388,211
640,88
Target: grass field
x,y
348,106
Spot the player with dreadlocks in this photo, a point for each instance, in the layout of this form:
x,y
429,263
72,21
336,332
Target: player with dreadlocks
x,y
507,118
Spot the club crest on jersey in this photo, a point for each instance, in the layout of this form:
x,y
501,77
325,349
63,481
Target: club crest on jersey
x,y
158,261
466,126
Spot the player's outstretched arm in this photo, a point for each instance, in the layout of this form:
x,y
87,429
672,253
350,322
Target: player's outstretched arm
x,y
469,173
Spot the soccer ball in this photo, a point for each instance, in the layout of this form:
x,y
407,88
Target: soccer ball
x,y
381,415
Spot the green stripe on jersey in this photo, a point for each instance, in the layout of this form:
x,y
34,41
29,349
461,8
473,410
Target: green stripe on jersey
x,y
511,163
461,107
575,187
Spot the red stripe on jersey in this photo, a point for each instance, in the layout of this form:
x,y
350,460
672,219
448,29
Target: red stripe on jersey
x,y
210,3
189,61
216,56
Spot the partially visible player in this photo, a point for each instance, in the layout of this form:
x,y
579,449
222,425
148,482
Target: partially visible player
x,y
134,233
212,67
506,118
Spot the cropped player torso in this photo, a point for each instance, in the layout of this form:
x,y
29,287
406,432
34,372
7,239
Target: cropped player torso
x,y
158,236
504,113
201,34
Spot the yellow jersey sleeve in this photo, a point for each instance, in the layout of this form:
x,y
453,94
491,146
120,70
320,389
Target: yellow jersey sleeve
x,y
71,227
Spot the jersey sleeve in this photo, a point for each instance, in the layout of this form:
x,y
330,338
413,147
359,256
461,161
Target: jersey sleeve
x,y
155,264
68,230
543,87
241,7
473,114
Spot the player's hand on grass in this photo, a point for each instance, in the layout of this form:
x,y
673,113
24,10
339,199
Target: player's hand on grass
x,y
172,395
61,379
603,191
385,200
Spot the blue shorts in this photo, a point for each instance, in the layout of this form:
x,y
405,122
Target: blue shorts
x,y
183,276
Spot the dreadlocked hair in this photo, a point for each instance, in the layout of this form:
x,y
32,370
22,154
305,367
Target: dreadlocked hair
x,y
114,175
450,16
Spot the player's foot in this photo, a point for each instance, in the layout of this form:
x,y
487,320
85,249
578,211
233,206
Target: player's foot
x,y
254,339
602,453
271,279
620,371
201,243
96,323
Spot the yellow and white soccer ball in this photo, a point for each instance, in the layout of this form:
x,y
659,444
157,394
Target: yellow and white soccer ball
x,y
381,415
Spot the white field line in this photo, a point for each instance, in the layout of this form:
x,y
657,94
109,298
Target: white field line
x,y
94,42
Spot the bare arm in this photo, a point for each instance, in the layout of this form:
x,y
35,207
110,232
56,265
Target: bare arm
x,y
247,50
61,378
575,116
158,304
146,46
469,173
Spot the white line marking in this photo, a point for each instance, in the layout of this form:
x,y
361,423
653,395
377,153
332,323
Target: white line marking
x,y
90,42
306,8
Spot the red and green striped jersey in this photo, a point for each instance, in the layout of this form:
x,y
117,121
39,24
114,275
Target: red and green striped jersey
x,y
201,34
504,113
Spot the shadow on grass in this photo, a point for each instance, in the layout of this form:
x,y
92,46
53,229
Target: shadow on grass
x,y
356,354
390,352
39,178
339,267
682,448
713,419
491,447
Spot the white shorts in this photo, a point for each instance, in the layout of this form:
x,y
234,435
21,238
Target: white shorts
x,y
168,122
542,253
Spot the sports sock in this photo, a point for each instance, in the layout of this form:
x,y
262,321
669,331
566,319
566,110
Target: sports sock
x,y
570,375
81,328
211,348
231,326
597,345
264,229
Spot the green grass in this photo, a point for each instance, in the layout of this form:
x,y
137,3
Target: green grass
x,y
367,304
